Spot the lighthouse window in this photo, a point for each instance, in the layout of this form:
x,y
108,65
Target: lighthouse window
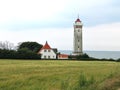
x,y
78,26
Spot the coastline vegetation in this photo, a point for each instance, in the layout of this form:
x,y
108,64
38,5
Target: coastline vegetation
x,y
28,50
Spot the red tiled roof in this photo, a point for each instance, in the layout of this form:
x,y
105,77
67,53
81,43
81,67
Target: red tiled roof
x,y
46,46
63,55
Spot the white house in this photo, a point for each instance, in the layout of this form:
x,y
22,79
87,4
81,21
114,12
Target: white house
x,y
47,52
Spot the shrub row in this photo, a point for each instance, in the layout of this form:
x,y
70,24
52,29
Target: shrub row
x,y
20,54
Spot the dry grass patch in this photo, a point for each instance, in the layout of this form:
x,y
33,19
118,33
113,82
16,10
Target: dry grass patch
x,y
110,84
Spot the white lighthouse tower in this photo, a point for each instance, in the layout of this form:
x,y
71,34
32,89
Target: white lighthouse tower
x,y
78,50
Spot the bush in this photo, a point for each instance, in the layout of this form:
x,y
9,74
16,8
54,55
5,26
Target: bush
x,y
25,53
20,54
118,60
83,56
6,54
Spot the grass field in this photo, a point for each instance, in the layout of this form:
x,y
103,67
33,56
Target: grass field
x,y
59,75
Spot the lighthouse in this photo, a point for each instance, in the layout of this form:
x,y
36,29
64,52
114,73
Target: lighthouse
x,y
78,49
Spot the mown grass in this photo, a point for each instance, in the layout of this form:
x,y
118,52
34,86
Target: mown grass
x,y
59,75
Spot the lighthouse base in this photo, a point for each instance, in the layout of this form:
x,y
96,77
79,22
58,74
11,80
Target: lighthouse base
x,y
77,53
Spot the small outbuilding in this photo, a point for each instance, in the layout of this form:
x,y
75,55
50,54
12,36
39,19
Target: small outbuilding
x,y
47,52
62,56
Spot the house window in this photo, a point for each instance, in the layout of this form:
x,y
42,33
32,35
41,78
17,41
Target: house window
x,y
48,56
44,56
45,50
48,50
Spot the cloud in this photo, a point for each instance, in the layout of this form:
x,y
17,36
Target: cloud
x,y
52,20
59,38
30,9
27,14
101,37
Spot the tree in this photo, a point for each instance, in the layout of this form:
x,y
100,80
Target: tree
x,y
33,46
25,53
26,50
8,54
6,45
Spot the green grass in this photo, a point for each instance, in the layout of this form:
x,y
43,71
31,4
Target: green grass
x,y
59,75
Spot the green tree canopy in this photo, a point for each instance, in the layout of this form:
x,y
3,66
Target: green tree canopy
x,y
33,46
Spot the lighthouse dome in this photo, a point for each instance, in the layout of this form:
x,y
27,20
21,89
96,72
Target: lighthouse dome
x,y
78,20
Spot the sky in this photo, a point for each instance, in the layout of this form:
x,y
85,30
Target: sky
x,y
52,21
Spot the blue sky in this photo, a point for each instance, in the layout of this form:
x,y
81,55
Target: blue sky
x,y
52,20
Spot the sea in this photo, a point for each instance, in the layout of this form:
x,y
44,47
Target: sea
x,y
98,54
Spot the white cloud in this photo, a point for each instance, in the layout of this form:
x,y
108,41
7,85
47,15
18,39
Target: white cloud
x,y
29,9
12,11
101,37
58,38
19,20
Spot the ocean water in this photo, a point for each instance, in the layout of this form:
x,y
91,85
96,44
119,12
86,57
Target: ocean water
x,y
98,54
